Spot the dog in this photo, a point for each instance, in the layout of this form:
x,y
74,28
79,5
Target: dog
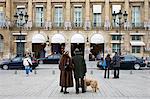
x,y
92,83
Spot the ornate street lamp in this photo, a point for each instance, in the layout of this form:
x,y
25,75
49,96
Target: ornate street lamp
x,y
120,23
19,17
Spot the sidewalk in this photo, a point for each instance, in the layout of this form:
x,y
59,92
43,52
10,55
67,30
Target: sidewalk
x,y
45,85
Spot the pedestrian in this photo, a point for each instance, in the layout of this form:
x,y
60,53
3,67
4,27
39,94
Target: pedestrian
x,y
79,70
116,65
65,67
100,63
27,62
108,62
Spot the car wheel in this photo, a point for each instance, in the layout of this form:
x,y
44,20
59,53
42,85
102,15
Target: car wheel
x,y
136,66
40,62
5,67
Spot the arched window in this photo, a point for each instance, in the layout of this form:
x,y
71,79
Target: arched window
x,y
1,43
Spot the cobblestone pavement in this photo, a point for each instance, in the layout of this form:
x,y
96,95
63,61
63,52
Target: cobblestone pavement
x,y
45,84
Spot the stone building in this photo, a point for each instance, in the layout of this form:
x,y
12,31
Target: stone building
x,y
58,25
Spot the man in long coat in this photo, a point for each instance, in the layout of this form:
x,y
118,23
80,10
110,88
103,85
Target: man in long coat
x,y
116,65
79,70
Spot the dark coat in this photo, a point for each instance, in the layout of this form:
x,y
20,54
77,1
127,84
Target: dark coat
x,y
79,66
108,61
116,61
66,78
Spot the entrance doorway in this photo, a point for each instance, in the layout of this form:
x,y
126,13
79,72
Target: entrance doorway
x,y
58,48
97,51
80,46
38,49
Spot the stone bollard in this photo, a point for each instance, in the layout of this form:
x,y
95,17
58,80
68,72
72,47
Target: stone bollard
x,y
91,72
131,72
53,72
15,72
35,72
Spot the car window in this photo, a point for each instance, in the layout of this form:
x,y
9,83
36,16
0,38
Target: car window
x,y
56,56
17,59
50,57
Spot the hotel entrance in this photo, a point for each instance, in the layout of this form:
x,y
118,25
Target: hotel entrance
x,y
77,41
96,47
80,46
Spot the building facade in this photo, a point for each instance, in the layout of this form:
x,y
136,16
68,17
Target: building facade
x,y
57,25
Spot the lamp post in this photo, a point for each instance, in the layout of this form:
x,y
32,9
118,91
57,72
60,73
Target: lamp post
x,y
20,17
120,23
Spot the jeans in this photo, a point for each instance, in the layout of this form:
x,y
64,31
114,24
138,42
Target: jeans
x,y
27,69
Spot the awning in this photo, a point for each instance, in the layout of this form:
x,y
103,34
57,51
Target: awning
x,y
77,38
38,38
58,38
97,38
137,43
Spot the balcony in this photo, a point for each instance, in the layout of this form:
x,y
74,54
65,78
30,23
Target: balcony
x,y
57,25
98,25
78,25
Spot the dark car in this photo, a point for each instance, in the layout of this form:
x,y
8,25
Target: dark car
x,y
16,63
51,59
131,62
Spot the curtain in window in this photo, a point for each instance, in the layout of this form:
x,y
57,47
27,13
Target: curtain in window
x,y
39,17
58,19
78,16
1,17
115,48
136,17
96,15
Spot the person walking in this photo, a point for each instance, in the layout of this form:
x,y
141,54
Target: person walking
x,y
27,62
79,70
116,65
65,67
108,62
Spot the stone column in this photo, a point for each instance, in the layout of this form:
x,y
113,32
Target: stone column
x,y
146,10
30,10
107,7
8,8
127,9
87,10
68,11
48,12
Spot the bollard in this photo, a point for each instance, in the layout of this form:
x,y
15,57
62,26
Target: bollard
x,y
131,72
15,72
53,72
91,72
35,72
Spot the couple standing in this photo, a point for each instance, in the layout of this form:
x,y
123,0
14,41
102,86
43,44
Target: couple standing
x,y
66,66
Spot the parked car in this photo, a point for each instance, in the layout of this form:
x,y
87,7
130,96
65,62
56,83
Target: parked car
x,y
131,62
148,61
16,63
51,59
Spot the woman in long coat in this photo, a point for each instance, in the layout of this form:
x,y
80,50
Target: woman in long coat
x,y
66,78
